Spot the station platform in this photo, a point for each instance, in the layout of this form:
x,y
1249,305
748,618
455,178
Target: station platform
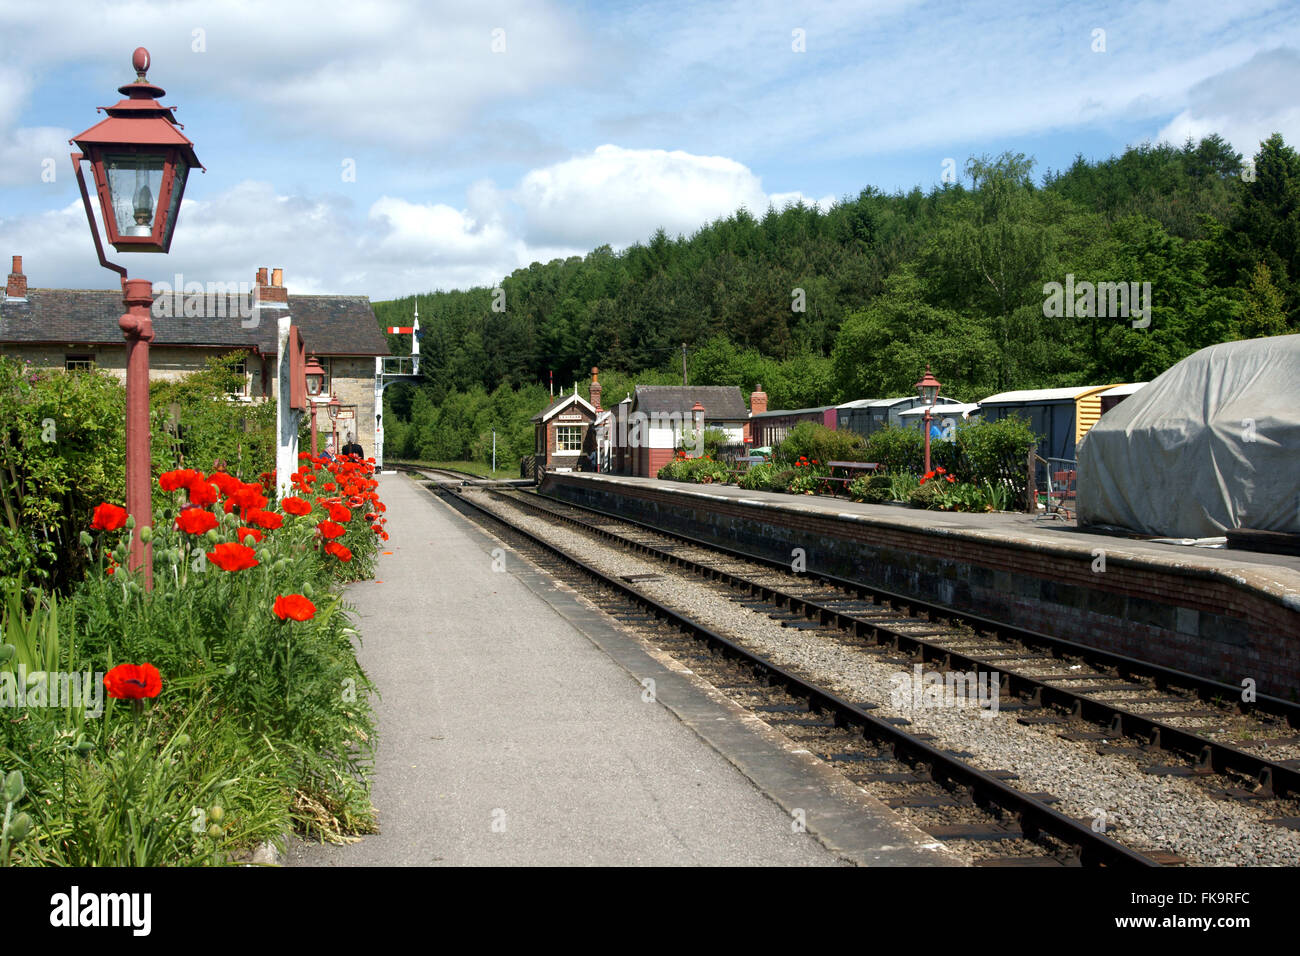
x,y
1222,613
514,729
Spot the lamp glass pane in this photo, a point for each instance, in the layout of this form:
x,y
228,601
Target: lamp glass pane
x,y
134,182
178,187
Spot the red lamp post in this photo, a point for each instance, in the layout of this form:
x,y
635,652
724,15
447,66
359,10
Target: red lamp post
x,y
334,407
315,376
140,161
928,388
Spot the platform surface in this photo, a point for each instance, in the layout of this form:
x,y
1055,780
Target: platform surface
x,y
1277,575
507,737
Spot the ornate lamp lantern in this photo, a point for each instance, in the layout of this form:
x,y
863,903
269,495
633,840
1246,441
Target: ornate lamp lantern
x,y
140,160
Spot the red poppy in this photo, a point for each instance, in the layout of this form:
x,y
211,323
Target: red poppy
x,y
133,681
266,519
339,513
294,606
107,517
949,478
295,506
940,470
328,529
202,493
233,557
330,486
247,498
226,482
176,480
196,521
242,533
342,552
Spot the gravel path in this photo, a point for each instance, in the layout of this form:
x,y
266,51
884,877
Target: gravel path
x,y
1143,810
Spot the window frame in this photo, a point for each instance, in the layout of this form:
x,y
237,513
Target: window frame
x,y
561,445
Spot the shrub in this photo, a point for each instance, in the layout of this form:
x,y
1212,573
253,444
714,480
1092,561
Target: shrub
x,y
897,449
781,480
699,470
819,443
928,495
875,489
758,478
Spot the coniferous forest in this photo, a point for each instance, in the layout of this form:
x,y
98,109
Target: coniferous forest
x,y
824,307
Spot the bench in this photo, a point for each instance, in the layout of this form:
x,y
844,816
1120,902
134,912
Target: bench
x,y
864,467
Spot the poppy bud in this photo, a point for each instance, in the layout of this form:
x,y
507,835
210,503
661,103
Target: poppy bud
x,y
87,540
214,832
19,827
85,747
307,590
146,534
216,814
212,537
14,786
181,740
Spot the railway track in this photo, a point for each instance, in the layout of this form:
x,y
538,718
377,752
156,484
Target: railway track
x,y
966,802
961,643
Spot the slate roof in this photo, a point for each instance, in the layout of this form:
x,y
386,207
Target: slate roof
x,y
330,324
721,402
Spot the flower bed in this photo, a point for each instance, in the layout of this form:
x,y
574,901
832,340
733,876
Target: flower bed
x,y
235,706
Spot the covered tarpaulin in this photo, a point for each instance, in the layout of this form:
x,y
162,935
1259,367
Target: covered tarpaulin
x,y
1211,445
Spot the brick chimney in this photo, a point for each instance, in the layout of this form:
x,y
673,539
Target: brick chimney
x,y
16,287
273,292
757,401
595,388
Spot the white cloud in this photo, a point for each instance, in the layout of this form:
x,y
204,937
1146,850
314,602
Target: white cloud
x,y
1245,104
397,246
619,196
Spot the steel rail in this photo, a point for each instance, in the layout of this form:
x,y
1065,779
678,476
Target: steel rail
x,y
1034,816
1209,755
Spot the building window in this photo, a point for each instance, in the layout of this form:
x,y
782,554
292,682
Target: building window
x,y
568,438
79,363
239,389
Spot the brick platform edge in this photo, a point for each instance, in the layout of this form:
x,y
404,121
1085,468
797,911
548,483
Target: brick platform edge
x,y
1207,621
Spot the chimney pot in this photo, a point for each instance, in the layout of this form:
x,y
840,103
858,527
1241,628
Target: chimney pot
x,y
261,276
16,285
277,277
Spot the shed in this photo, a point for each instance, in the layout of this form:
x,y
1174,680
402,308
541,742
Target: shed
x,y
769,428
646,435
564,433
1058,416
867,416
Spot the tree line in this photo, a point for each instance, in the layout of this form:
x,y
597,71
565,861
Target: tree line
x,y
828,306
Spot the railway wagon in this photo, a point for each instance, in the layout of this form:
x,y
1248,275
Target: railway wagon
x,y
1059,416
868,415
769,428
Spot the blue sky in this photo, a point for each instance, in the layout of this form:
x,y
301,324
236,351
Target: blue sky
x,y
492,134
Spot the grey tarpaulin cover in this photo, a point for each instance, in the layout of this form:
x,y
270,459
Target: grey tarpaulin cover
x,y
1212,444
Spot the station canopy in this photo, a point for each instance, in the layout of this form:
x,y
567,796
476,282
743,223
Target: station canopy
x,y
1208,446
